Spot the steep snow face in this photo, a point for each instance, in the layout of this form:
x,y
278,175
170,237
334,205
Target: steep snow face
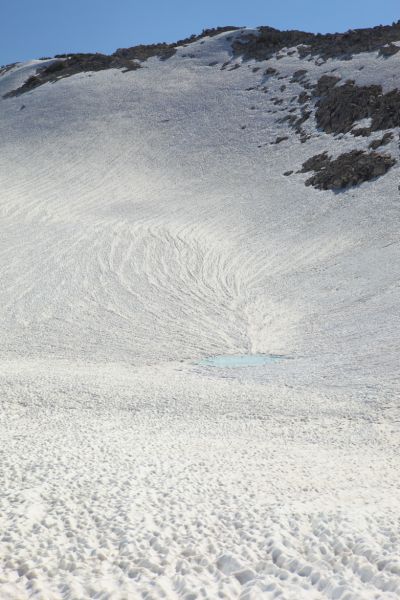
x,y
148,221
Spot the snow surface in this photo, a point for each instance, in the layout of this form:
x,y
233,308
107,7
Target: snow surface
x,y
143,229
234,361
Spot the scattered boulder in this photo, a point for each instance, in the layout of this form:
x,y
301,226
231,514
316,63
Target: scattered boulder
x,y
305,115
295,122
347,170
299,75
303,97
304,137
280,139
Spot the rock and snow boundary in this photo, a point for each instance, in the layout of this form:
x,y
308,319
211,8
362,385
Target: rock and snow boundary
x,y
156,215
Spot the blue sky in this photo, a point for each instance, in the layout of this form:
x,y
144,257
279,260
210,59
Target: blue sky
x,y
31,29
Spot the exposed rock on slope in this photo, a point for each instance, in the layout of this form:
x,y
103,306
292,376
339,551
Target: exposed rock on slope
x,y
331,45
348,170
313,99
341,106
383,141
66,65
73,64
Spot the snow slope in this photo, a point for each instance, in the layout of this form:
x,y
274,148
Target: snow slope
x,y
146,224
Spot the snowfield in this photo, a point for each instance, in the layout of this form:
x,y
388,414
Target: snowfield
x,y
145,225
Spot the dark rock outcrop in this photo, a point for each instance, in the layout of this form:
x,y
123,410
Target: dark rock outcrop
x,y
280,139
325,85
348,170
145,51
383,141
269,41
315,163
165,51
386,114
212,32
76,63
341,106
298,76
389,50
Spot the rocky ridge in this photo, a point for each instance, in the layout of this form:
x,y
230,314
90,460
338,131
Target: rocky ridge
x,y
328,104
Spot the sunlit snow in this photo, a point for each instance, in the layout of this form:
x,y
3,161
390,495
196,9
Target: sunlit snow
x,y
146,226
